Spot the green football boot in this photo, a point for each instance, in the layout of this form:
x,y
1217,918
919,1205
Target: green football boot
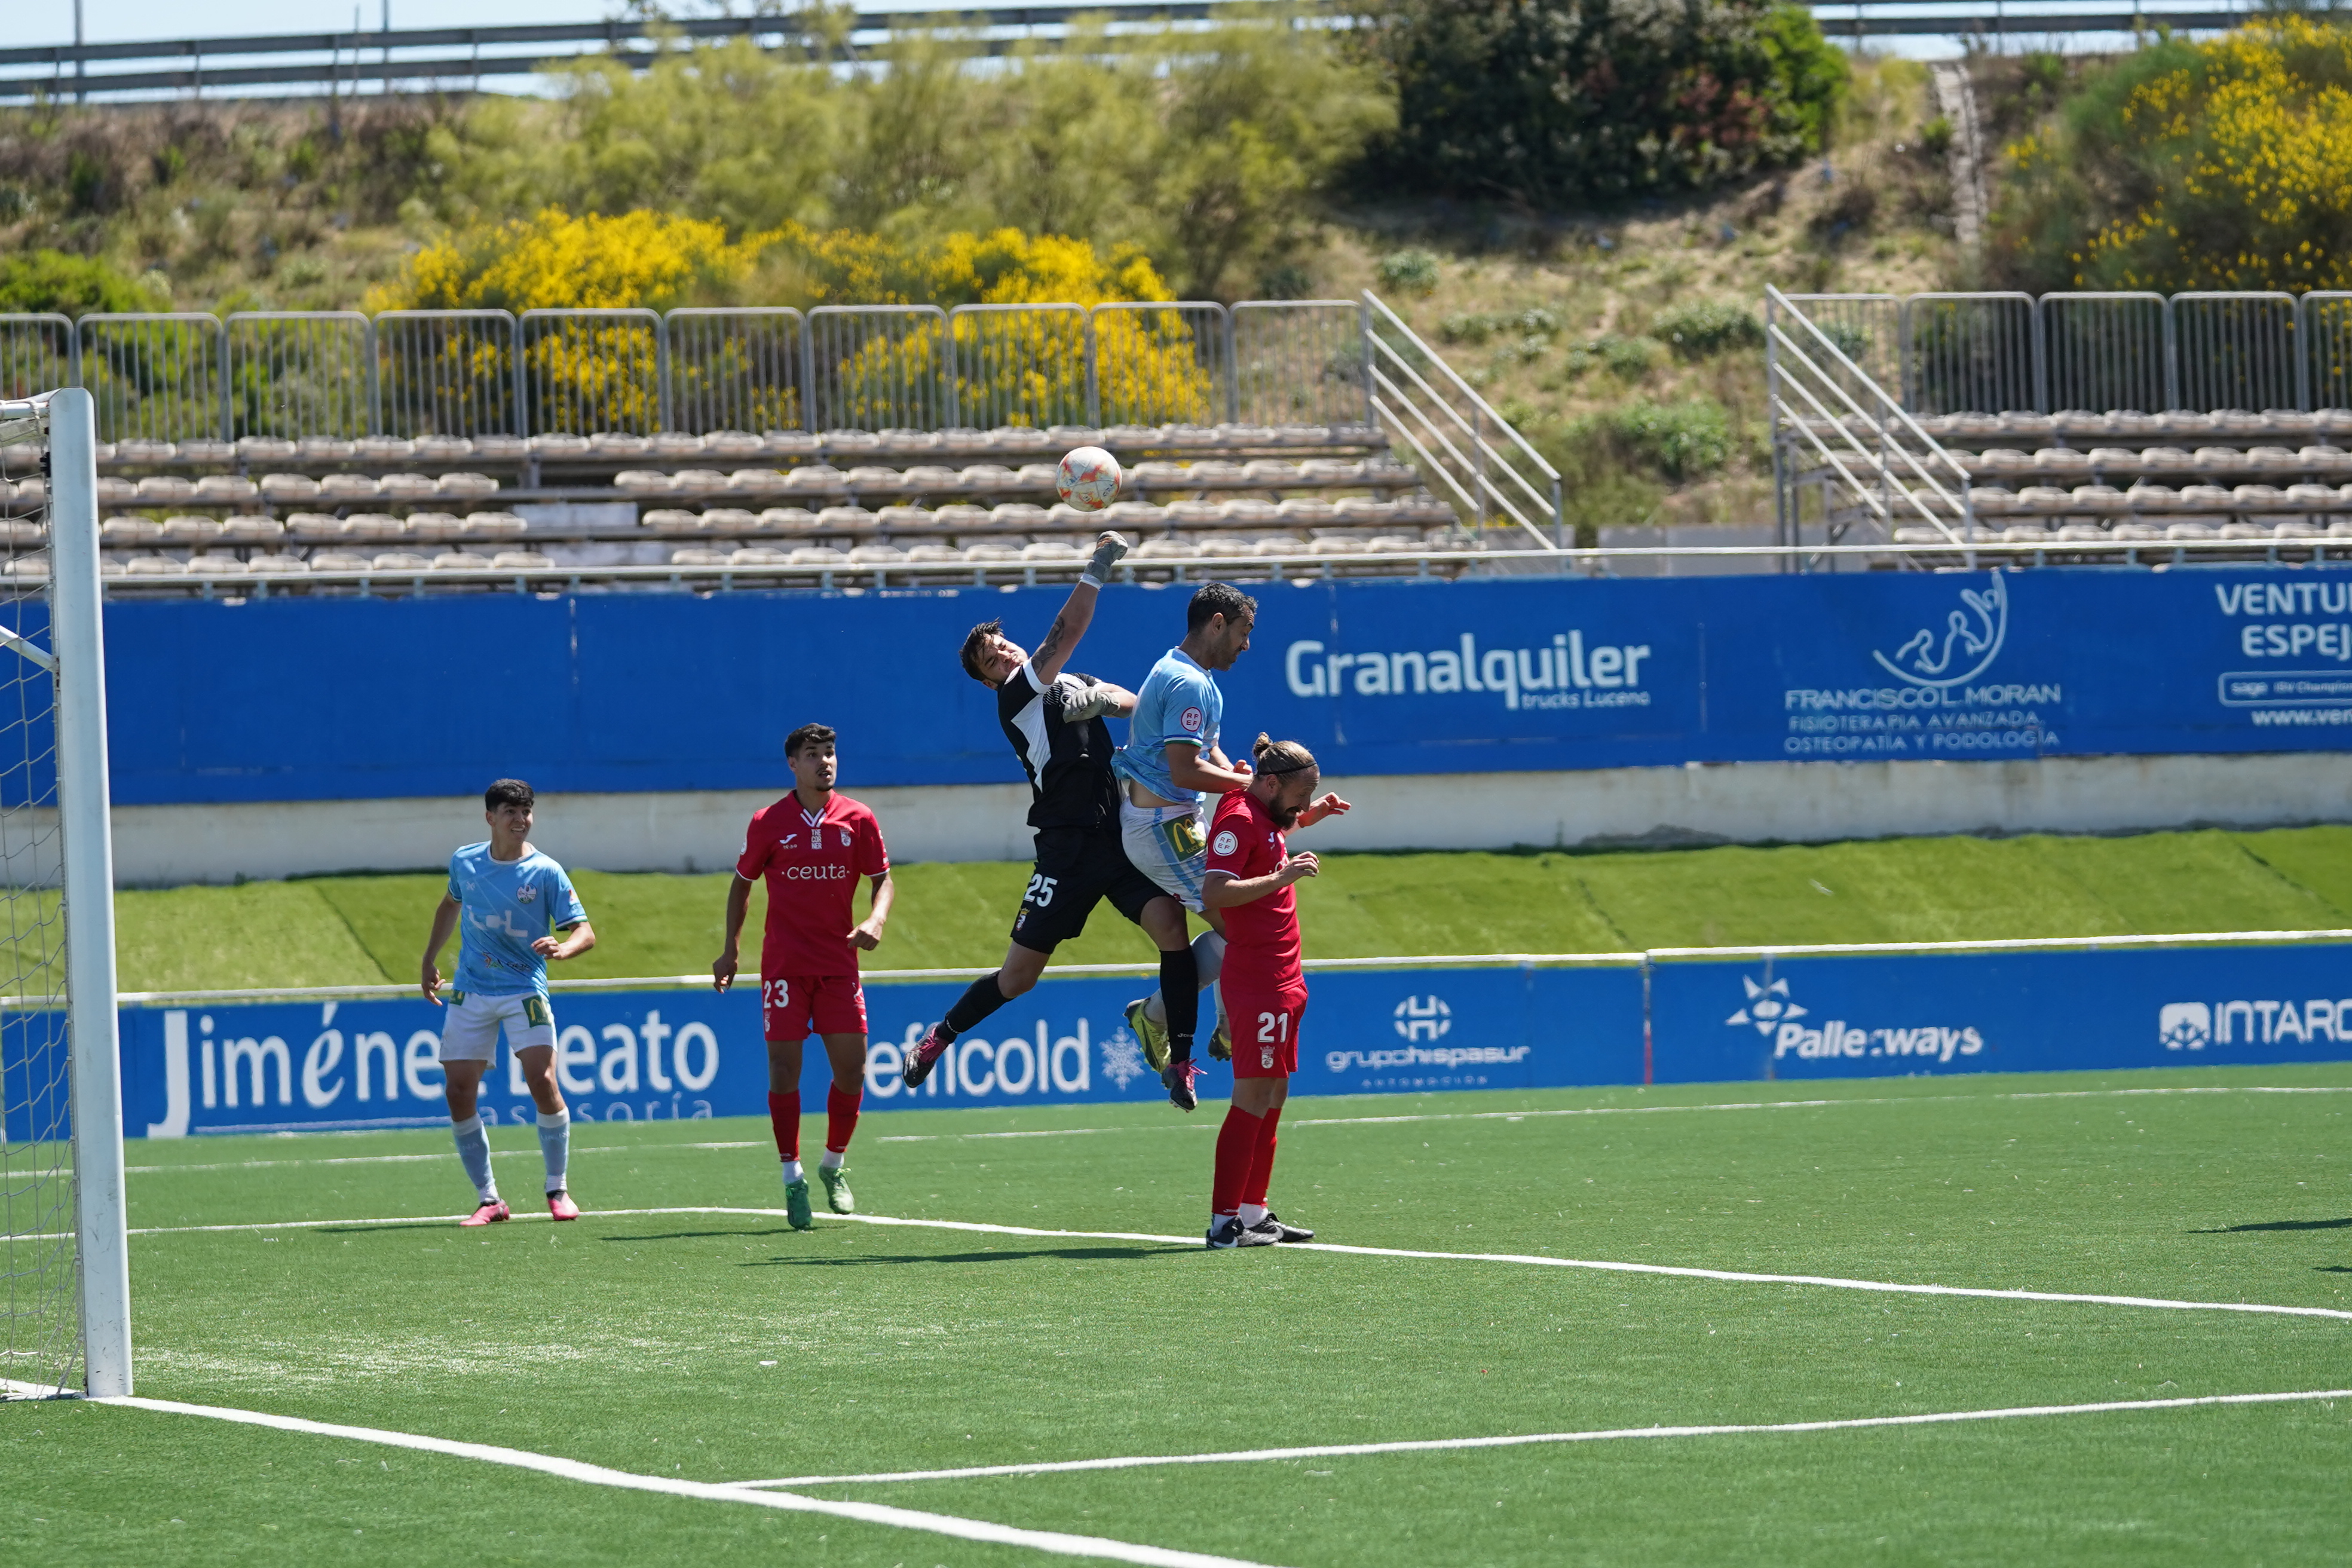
x,y
1221,1044
837,1188
796,1205
1152,1036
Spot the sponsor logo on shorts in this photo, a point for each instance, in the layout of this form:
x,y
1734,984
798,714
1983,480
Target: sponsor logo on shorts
x,y
1226,843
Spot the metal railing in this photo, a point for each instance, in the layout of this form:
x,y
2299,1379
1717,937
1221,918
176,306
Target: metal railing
x,y
1030,363
2102,350
1301,362
294,374
444,373
1459,441
38,350
879,367
1834,424
585,370
737,369
1162,364
156,375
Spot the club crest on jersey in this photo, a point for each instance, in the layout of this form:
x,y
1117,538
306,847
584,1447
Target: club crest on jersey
x,y
1191,720
526,894
845,838
1226,843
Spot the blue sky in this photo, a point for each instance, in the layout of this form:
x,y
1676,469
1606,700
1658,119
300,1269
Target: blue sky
x,y
51,21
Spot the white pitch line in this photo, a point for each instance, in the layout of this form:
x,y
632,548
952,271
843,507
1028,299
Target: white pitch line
x,y
1435,1444
1196,1126
414,1159
1725,1275
1052,1540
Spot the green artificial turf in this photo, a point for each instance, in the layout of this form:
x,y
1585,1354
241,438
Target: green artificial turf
x,y
369,930
638,1341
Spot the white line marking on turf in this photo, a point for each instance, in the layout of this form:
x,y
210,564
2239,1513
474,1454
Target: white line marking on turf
x,y
1052,1540
1432,1445
1315,1122
1733,1276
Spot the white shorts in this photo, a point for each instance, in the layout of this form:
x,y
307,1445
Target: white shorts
x,y
1168,844
471,1033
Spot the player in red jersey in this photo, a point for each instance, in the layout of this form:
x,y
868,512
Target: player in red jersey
x,y
1250,877
812,846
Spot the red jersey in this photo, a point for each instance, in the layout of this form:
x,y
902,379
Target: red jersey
x,y
812,862
1261,936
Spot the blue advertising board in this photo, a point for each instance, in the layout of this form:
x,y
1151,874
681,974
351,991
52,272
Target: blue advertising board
x,y
668,1055
2036,1011
314,698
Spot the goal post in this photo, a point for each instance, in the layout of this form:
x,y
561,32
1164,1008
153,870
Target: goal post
x,y
67,1258
94,1046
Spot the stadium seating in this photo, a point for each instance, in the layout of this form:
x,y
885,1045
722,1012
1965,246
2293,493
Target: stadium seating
x,y
909,507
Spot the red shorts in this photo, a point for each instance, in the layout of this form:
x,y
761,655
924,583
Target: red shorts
x,y
795,1006
1265,1028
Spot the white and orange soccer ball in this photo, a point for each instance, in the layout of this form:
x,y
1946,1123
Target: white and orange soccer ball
x,y
1089,478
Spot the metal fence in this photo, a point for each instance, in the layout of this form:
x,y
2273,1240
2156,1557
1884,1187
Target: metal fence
x,y
1962,352
37,353
2103,351
445,373
410,373
1301,362
156,375
297,373
736,369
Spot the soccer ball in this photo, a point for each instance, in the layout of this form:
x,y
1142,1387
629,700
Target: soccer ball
x,y
1089,478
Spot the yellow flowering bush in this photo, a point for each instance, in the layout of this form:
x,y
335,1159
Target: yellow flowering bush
x,y
2194,166
1017,366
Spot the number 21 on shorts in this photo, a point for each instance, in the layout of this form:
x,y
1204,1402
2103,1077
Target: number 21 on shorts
x,y
1274,1029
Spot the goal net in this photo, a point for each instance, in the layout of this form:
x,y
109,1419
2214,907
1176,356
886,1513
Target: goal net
x,y
68,1325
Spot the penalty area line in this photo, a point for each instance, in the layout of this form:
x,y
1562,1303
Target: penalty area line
x,y
1053,1541
1538,1261
1436,1445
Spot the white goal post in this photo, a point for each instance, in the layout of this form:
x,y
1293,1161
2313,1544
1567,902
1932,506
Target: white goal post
x,y
60,1053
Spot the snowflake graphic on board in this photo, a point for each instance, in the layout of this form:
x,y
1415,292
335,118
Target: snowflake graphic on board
x,y
1122,1058
1767,1007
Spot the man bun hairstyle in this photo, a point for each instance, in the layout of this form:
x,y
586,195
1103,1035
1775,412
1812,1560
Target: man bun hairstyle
x,y
507,792
974,642
1279,757
807,735
1219,599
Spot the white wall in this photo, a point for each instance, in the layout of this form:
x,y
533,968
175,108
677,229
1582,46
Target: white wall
x,y
1734,802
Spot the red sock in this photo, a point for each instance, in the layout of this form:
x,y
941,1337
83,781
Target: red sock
x,y
1261,1169
840,1119
1237,1142
784,1115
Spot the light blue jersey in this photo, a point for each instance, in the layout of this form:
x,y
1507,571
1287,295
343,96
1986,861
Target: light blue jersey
x,y
505,906
1179,702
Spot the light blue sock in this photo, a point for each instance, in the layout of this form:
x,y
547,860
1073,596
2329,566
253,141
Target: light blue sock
x,y
555,1146
474,1153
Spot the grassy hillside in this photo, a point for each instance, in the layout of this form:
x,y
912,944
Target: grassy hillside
x,y
353,930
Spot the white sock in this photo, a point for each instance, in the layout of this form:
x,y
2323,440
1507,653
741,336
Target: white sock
x,y
1253,1213
792,1172
555,1146
474,1153
833,1158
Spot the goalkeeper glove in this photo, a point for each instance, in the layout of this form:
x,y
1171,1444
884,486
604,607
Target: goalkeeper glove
x,y
1106,554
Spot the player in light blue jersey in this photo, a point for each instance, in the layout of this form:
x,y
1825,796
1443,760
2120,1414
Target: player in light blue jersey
x,y
507,899
1171,755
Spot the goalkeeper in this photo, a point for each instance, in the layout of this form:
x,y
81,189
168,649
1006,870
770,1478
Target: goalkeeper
x,y
1054,719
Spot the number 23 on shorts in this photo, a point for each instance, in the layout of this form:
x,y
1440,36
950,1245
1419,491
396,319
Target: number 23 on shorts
x,y
779,993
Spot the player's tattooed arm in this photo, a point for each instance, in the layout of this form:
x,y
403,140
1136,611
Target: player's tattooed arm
x,y
738,902
444,920
866,934
1077,614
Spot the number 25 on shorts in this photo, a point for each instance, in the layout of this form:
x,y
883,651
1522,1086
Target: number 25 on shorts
x,y
1041,891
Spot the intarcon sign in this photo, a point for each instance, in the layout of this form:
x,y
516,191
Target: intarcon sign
x,y
215,702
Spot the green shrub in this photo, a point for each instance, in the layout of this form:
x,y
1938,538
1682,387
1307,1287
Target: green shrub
x,y
1560,100
1685,440
1698,330
1535,322
1935,137
70,285
1631,358
1409,272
